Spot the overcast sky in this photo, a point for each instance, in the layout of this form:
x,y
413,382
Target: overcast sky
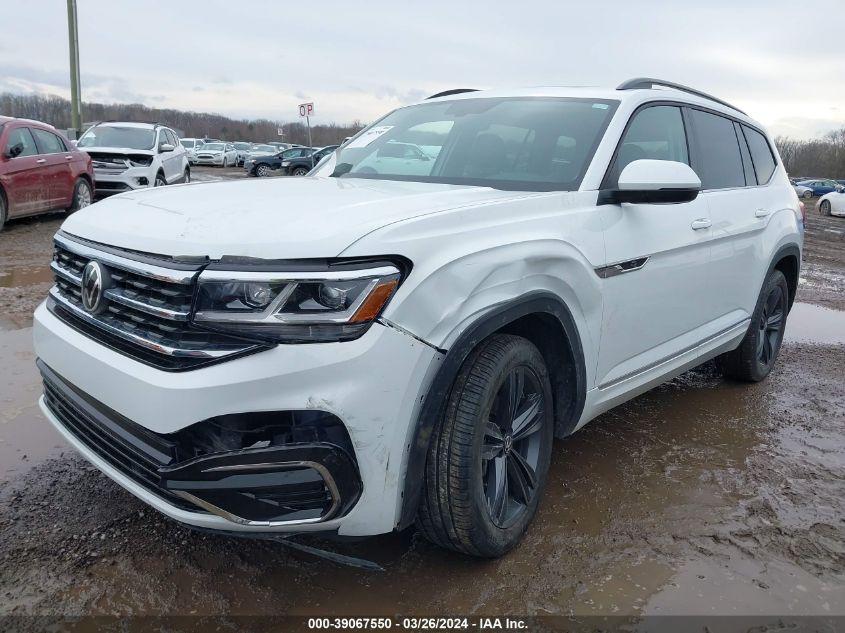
x,y
359,59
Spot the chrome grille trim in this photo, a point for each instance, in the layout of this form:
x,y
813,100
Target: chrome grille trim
x,y
135,338
115,294
184,277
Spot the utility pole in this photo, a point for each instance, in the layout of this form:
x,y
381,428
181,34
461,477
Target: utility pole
x,y
73,46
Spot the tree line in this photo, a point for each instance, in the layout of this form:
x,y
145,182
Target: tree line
x,y
818,158
56,111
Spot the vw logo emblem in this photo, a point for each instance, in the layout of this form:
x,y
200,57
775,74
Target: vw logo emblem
x,y
93,283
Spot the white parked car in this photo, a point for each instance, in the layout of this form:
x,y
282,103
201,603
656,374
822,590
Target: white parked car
x,y
191,145
370,347
243,149
217,153
832,203
128,156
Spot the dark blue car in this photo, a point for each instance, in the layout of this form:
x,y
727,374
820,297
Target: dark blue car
x,y
821,186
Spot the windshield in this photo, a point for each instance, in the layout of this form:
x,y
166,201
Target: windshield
x,y
113,136
241,145
516,143
213,146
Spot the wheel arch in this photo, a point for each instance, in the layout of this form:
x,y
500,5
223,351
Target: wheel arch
x,y
546,321
787,260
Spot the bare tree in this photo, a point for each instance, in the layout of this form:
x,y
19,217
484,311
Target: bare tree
x,y
817,158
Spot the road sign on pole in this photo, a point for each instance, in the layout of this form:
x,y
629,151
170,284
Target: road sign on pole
x,y
307,110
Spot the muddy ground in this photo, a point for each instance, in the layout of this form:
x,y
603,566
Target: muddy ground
x,y
702,497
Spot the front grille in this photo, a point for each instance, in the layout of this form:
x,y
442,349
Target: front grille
x,y
131,449
147,309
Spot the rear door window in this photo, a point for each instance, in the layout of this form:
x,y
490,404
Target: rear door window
x,y
761,154
23,137
48,143
718,160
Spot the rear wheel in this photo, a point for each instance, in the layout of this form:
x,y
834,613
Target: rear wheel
x,y
489,454
807,194
81,196
300,171
755,357
3,213
824,207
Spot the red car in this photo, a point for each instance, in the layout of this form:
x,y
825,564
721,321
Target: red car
x,y
40,170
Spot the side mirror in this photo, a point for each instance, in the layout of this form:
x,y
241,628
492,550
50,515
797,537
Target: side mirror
x,y
15,150
165,147
653,182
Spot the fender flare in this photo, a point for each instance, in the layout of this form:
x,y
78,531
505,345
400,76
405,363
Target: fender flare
x,y
785,251
438,392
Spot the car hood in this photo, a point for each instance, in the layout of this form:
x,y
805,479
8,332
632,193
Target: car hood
x,y
276,218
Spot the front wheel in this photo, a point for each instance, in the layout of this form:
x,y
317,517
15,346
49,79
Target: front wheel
x,y
262,171
489,454
81,196
300,171
160,181
755,357
824,207
186,178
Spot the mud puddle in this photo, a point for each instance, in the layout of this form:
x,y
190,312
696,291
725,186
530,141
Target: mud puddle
x,y
809,323
25,276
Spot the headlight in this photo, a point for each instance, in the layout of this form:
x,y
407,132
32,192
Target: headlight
x,y
332,305
140,161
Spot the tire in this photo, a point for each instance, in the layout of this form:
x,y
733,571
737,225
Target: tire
x,y
3,212
262,171
824,207
807,194
225,163
472,450
755,357
82,196
160,181
299,171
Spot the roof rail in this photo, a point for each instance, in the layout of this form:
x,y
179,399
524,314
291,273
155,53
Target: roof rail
x,y
650,82
454,91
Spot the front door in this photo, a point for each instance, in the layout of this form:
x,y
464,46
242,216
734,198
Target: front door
x,y
655,283
22,180
56,174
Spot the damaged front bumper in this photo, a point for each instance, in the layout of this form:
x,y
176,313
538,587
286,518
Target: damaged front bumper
x,y
340,419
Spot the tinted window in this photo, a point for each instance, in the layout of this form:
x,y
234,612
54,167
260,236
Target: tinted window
x,y
21,136
747,164
657,133
761,153
48,143
718,161
507,143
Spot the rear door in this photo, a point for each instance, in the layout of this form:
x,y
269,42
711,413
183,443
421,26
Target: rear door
x,y
56,170
656,308
739,207
22,178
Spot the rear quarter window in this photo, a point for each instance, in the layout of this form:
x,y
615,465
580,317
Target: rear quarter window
x,y
761,154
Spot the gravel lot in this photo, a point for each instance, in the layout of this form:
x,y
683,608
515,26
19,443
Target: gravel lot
x,y
702,496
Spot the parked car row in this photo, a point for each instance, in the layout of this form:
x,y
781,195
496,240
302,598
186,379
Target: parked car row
x,y
816,187
296,161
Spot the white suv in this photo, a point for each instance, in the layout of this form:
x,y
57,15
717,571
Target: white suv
x,y
129,156
385,343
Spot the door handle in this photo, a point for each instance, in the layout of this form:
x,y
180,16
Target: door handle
x,y
701,223
761,213
69,157
41,161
